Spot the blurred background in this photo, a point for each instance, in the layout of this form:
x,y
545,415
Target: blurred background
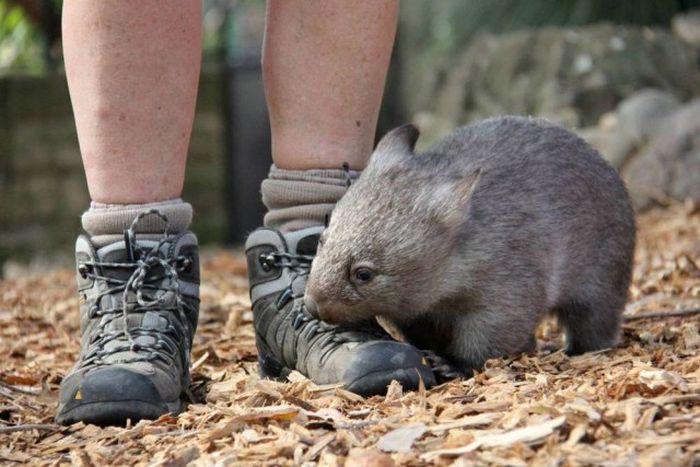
x,y
624,75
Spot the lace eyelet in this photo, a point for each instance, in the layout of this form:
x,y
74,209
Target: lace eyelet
x,y
267,262
83,270
187,263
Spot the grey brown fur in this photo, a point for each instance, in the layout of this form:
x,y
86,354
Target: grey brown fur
x,y
474,240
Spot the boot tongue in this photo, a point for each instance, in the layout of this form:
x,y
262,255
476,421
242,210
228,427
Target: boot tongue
x,y
308,245
305,241
117,253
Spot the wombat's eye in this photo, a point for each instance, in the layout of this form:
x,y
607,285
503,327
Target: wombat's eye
x,y
362,275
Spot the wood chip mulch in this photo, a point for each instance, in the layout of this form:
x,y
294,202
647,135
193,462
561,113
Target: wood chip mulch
x,y
638,404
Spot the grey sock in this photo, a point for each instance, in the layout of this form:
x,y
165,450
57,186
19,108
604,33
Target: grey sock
x,y
106,223
297,199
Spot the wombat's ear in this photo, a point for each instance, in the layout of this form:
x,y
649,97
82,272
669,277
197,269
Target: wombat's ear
x,y
451,200
466,186
399,141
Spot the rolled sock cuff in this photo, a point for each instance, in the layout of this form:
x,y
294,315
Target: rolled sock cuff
x,y
109,219
297,199
337,177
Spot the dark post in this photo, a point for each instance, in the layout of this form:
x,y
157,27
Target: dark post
x,y
247,133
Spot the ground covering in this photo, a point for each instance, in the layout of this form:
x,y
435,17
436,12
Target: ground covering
x,y
636,404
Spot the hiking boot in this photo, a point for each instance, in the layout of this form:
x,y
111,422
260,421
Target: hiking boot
x,y
288,338
139,301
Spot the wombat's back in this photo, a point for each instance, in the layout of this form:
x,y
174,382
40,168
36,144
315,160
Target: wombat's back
x,y
536,166
549,218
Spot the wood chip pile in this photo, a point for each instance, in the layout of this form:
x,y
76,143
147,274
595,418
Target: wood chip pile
x,y
637,404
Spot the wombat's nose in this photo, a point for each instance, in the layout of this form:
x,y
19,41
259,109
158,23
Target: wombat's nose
x,y
311,306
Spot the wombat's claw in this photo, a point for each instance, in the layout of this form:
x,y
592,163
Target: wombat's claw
x,y
547,348
443,369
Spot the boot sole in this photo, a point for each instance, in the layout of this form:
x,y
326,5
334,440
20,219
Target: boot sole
x,y
106,413
376,383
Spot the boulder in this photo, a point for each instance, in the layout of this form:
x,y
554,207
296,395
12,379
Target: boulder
x,y
620,134
611,144
687,27
640,114
669,166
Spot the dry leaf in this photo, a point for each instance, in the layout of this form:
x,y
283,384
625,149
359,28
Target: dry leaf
x,y
475,420
527,434
401,439
637,403
368,458
657,380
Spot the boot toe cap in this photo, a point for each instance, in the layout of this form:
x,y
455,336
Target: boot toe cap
x,y
376,364
110,396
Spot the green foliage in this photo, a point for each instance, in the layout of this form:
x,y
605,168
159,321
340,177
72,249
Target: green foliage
x,y
21,44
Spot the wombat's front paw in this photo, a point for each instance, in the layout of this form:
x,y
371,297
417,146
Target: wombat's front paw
x,y
444,369
548,347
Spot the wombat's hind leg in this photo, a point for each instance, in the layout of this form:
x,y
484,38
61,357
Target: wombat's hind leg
x,y
589,327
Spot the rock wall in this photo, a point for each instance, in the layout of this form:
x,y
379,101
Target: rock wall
x,y
42,184
432,35
569,75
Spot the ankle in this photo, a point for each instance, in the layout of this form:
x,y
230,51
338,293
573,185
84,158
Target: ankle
x,y
106,222
297,199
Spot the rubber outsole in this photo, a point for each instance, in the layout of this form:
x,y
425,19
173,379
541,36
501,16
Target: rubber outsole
x,y
116,413
376,383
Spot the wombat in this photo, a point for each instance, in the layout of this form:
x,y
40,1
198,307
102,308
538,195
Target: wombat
x,y
466,246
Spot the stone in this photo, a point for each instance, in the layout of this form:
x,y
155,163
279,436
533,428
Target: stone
x,y
619,135
42,184
639,115
669,166
611,144
687,27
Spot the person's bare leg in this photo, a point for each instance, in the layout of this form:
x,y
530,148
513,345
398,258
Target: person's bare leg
x,y
324,65
133,68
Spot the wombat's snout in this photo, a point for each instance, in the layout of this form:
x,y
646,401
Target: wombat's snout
x,y
320,308
311,306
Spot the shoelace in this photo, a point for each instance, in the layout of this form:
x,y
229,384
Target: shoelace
x,y
142,262
300,265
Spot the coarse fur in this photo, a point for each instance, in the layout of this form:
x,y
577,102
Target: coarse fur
x,y
470,243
